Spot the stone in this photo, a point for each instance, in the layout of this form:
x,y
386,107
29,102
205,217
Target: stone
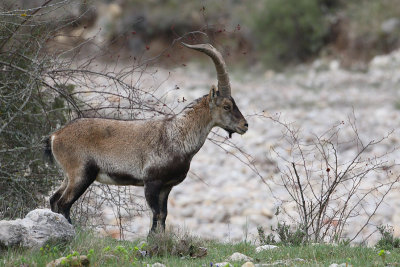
x,y
340,265
36,229
158,264
239,257
223,264
10,233
380,61
390,25
334,65
188,211
267,213
248,264
75,261
265,247
281,262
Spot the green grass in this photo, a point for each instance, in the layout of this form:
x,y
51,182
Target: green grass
x,y
110,252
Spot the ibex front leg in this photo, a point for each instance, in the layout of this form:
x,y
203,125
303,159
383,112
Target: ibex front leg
x,y
163,202
157,198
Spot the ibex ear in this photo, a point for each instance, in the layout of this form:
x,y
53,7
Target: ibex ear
x,y
214,93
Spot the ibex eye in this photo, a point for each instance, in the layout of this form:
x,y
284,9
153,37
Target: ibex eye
x,y
227,107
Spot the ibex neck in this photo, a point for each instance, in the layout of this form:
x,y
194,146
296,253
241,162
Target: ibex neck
x,y
194,124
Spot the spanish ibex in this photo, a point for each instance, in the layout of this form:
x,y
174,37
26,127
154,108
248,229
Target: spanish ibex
x,y
153,153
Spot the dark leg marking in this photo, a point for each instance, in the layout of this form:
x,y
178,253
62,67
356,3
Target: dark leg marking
x,y
56,196
76,187
163,202
54,199
152,192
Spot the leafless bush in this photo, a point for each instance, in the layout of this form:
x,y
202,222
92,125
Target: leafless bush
x,y
28,109
335,184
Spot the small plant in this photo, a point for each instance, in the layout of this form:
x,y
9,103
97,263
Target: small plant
x,y
387,241
265,240
90,253
69,258
382,253
121,251
49,251
140,251
287,237
125,252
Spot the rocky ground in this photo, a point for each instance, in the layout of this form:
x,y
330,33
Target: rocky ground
x,y
224,198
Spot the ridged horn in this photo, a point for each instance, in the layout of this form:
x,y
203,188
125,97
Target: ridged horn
x,y
224,86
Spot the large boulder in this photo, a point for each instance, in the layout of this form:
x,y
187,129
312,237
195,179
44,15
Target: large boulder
x,y
38,227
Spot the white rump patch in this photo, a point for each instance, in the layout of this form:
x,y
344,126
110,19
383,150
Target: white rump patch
x,y
52,141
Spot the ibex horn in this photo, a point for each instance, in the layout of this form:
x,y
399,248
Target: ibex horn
x,y
224,86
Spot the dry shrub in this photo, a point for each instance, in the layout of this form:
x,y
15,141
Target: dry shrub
x,y
175,243
333,181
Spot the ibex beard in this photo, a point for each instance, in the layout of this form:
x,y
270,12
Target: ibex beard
x,y
153,153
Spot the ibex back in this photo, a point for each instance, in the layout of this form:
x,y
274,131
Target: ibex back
x,y
154,153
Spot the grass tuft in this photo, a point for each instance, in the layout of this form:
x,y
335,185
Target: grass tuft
x,y
175,243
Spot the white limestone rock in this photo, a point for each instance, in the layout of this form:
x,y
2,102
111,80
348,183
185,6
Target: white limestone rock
x,y
38,227
248,264
239,257
10,233
265,247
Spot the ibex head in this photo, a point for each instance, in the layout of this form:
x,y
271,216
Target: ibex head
x,y
223,108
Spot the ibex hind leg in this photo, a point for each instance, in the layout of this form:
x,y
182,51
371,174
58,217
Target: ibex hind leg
x,y
56,196
77,185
